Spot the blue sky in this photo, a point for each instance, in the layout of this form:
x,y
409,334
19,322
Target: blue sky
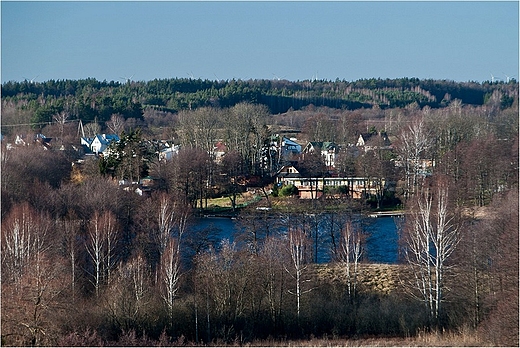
x,y
461,41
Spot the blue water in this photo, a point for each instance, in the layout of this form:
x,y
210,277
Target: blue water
x,y
381,243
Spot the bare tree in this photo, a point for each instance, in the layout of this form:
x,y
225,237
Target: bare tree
x,y
225,278
91,129
101,247
351,250
126,299
170,273
415,141
245,132
233,169
198,128
116,124
139,274
299,244
24,233
33,306
70,229
166,221
320,127
61,118
189,175
430,237
32,278
172,223
272,257
502,322
313,166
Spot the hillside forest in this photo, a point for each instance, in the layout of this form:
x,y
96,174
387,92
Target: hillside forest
x,y
92,256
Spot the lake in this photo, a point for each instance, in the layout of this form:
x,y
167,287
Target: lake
x,y
381,242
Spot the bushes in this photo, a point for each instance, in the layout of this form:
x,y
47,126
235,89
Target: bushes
x,y
288,190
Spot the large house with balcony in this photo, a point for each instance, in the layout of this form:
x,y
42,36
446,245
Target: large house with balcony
x,y
310,187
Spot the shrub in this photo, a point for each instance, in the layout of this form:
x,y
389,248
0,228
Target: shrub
x,y
288,190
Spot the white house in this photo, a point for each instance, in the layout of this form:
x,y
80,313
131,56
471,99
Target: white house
x,y
328,150
167,153
360,141
100,142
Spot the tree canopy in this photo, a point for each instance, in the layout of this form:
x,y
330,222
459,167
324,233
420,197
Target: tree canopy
x,y
89,98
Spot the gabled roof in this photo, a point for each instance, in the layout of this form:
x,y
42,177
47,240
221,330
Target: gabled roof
x,y
322,145
312,145
101,139
104,139
380,139
86,141
288,171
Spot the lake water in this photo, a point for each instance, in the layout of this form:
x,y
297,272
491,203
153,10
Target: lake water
x,y
381,242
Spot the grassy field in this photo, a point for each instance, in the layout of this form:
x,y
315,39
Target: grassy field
x,y
225,202
436,339
374,278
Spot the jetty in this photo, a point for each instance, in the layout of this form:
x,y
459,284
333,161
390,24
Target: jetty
x,y
386,213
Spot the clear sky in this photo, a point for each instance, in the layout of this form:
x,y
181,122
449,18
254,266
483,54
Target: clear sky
x,y
461,41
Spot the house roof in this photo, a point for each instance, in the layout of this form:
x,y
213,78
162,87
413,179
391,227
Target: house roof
x,y
104,139
286,170
111,137
86,140
289,142
220,146
323,145
288,175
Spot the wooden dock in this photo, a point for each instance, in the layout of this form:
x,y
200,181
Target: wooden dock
x,y
386,213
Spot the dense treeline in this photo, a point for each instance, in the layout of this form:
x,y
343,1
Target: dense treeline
x,y
85,262
90,99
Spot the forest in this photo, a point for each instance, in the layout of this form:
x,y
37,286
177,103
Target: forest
x,y
90,99
88,262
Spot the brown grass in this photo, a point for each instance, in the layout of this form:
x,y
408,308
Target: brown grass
x,y
446,339
378,278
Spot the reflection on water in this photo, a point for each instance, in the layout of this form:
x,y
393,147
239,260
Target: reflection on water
x,y
381,244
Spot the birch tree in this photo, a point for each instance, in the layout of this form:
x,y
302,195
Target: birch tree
x,y
127,299
299,245
165,221
116,124
431,235
32,274
172,224
350,254
101,247
415,142
71,248
170,273
24,233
